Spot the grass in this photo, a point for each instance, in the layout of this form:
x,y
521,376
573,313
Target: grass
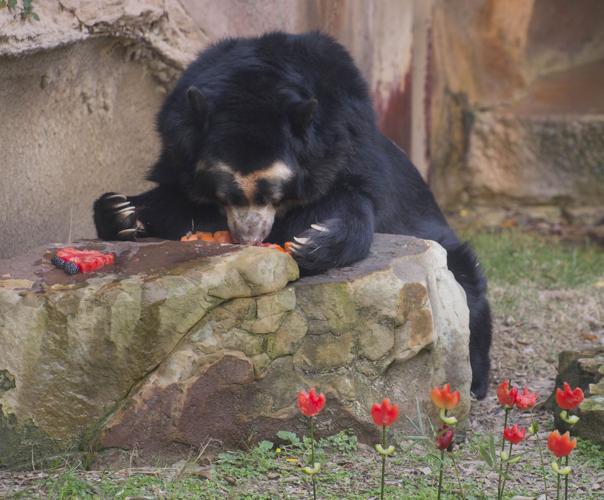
x,y
513,257
70,486
349,471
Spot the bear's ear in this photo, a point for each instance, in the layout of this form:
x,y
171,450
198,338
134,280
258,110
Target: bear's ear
x,y
198,104
301,114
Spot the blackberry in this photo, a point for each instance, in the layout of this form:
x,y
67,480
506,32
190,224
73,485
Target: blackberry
x,y
71,268
58,261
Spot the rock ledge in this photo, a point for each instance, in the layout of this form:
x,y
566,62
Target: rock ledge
x,y
179,343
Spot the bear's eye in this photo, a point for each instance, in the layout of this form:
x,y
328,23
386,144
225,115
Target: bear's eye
x,y
268,192
234,198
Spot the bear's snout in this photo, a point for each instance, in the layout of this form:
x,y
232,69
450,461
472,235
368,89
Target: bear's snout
x,y
251,224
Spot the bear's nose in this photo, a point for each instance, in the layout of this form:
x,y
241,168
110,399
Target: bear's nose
x,y
252,224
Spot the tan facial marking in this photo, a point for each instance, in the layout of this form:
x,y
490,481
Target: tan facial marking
x,y
278,171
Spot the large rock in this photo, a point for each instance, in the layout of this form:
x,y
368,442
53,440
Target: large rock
x,y
584,369
184,342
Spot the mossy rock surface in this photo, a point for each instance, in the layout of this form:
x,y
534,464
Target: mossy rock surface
x,y
584,369
178,343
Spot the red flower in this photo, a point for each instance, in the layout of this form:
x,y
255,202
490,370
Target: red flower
x,y
567,399
525,400
312,403
506,396
444,398
384,414
561,446
444,437
514,434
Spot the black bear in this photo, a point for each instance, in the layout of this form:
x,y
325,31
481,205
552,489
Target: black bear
x,y
275,138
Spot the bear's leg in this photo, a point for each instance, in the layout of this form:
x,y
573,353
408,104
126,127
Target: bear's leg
x,y
161,212
334,232
464,265
480,344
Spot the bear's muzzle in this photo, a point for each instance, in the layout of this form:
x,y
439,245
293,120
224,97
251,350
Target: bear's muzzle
x,y
250,224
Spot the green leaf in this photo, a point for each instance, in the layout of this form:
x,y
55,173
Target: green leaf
x,y
12,4
492,448
2,4
488,452
264,446
486,456
290,437
312,471
35,16
384,452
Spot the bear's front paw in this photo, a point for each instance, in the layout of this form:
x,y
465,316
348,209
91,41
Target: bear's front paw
x,y
115,218
320,248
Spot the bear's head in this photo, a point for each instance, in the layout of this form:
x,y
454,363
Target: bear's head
x,y
245,154
246,162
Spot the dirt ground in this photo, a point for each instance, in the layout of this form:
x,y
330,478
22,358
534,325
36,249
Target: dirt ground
x,y
531,327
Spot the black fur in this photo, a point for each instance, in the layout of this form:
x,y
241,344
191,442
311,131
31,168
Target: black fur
x,y
299,99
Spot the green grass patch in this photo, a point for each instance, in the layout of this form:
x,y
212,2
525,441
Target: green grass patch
x,y
590,453
348,472
514,257
68,486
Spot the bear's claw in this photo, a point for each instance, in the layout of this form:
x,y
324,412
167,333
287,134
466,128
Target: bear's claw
x,y
115,217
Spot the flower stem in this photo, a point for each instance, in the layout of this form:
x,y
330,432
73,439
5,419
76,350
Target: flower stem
x,y
505,424
312,456
558,488
440,475
543,474
461,492
383,461
566,479
507,467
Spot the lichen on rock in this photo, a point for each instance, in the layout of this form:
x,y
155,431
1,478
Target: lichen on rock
x,y
584,369
179,343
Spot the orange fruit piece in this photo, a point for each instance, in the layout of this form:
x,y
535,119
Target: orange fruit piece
x,y
188,237
222,237
217,237
274,246
198,236
201,236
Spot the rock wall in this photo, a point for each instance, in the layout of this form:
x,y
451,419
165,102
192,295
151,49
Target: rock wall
x,y
517,109
78,93
178,343
69,110
80,88
584,369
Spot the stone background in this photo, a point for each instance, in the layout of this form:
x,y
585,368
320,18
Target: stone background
x,y
497,102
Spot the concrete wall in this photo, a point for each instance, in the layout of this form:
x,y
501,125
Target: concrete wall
x,y
76,121
78,94
79,90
